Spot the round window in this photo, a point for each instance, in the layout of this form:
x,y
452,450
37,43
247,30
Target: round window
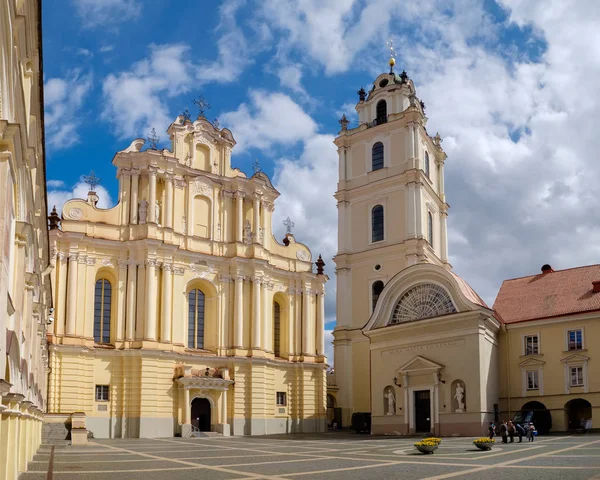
x,y
383,82
377,267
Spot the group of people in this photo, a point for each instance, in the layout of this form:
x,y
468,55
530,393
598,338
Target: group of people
x,y
509,430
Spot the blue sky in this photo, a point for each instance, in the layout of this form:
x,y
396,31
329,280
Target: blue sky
x,y
510,85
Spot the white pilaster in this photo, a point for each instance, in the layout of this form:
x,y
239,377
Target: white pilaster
x,y
133,204
150,325
152,197
72,295
168,207
131,300
166,304
238,313
256,320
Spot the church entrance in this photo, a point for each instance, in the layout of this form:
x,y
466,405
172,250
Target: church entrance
x,y
422,411
201,414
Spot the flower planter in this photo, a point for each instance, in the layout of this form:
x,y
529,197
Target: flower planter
x,y
484,446
426,448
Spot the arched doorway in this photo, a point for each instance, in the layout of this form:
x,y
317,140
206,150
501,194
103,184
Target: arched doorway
x,y
536,413
578,414
201,410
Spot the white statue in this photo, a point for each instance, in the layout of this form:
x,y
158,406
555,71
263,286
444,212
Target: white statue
x,y
391,400
143,211
459,394
247,232
157,212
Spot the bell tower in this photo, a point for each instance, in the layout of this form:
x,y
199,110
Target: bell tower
x,y
391,215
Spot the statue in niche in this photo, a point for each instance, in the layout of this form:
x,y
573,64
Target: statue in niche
x,y
459,395
157,212
143,211
391,401
247,232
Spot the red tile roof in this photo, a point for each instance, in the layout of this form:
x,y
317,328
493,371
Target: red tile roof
x,y
468,291
552,294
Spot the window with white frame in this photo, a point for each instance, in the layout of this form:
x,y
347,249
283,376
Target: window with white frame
x,y
577,376
532,345
102,393
533,380
281,400
575,339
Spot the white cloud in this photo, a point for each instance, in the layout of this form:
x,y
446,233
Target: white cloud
x,y
106,48
58,197
63,98
290,76
269,119
136,100
97,13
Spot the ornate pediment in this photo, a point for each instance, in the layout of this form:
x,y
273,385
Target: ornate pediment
x,y
575,358
531,363
419,365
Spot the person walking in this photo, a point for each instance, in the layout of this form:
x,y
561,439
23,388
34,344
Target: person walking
x,y
511,431
520,431
504,432
530,430
492,430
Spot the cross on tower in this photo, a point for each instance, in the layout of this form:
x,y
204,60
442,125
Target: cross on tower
x,y
256,166
153,139
202,105
288,225
92,180
392,60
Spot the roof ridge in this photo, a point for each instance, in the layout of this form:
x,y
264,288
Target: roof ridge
x,y
554,271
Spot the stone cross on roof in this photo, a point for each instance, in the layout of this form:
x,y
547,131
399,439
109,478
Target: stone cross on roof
x,y
288,225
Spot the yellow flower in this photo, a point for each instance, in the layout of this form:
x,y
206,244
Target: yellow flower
x,y
484,440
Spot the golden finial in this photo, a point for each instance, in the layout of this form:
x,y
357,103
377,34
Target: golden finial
x,y
392,60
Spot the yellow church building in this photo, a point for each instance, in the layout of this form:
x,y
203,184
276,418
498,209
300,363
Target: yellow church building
x,y
177,310
416,349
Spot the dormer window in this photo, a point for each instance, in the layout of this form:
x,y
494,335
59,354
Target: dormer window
x,y
383,82
381,112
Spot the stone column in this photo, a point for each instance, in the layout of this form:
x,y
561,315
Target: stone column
x,y
320,323
267,309
131,300
166,314
12,401
133,204
168,207
444,237
141,302
239,224
61,304
306,320
256,298
152,196
226,227
4,419
23,436
411,230
150,326
266,223
238,313
125,196
224,407
72,295
256,212
291,320
187,408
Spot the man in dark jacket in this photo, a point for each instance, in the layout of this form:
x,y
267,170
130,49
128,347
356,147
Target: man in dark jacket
x,y
504,432
492,430
520,431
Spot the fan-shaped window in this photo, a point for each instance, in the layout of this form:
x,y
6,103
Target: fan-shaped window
x,y
276,329
427,164
430,228
102,299
377,156
196,319
377,223
376,290
422,301
381,112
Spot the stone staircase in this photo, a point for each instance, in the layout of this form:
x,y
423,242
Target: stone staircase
x,y
55,434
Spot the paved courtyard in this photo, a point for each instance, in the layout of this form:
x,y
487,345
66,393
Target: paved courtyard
x,y
328,456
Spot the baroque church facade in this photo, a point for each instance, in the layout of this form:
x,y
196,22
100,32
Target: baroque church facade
x,y
177,310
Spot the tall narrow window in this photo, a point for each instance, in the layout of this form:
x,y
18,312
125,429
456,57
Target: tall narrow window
x,y
102,294
575,339
196,319
532,345
377,156
381,112
376,291
427,164
377,223
430,228
276,329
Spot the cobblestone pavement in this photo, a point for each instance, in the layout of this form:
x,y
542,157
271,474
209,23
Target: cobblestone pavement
x,y
328,456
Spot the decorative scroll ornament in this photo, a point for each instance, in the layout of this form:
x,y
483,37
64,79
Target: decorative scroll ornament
x,y
201,273
422,301
261,235
76,213
302,255
281,288
105,262
202,188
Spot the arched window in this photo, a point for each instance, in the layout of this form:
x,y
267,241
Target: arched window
x,y
377,156
196,319
377,223
376,291
276,329
381,112
427,164
430,228
102,298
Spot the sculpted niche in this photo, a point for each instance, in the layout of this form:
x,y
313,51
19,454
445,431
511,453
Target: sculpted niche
x,y
389,400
